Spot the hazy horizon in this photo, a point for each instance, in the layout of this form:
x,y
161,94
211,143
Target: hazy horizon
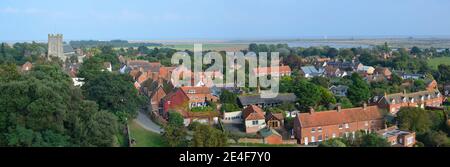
x,y
222,20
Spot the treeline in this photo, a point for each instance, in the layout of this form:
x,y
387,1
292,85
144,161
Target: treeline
x,y
113,43
19,53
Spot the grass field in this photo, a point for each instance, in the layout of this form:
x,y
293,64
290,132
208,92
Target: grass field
x,y
435,62
145,138
215,47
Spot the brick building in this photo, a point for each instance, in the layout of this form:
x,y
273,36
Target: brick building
x,y
422,99
398,138
254,119
315,127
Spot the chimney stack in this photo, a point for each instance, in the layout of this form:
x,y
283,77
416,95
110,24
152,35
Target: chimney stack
x,y
311,110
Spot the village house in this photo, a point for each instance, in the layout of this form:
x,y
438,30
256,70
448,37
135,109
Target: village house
x,y
334,72
366,70
184,99
383,71
344,65
283,70
397,137
254,119
311,71
247,100
315,127
26,67
275,120
422,99
340,90
431,85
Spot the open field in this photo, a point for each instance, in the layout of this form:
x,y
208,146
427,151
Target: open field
x,y
145,138
435,62
231,47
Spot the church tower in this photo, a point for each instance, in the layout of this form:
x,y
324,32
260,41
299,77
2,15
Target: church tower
x,y
55,46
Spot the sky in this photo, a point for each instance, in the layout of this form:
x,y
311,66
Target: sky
x,y
221,19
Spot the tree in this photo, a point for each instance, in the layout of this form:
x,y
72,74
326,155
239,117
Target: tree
x,y
321,81
414,119
358,91
43,109
207,136
308,94
286,84
176,119
326,96
332,53
336,142
436,139
415,50
174,135
114,93
228,97
373,140
344,102
100,129
444,73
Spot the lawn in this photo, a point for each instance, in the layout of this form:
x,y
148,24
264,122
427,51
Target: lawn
x,y
435,62
145,138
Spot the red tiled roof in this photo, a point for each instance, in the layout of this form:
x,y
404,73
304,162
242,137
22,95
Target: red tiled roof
x,y
253,112
268,70
333,117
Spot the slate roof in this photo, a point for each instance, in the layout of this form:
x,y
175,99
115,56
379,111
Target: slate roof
x,y
311,70
68,49
417,96
266,132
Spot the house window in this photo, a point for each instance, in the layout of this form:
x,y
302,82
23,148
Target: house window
x,y
334,135
313,130
313,139
255,122
319,138
366,123
340,126
320,129
346,126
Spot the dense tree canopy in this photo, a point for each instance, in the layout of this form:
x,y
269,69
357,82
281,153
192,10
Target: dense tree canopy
x,y
42,108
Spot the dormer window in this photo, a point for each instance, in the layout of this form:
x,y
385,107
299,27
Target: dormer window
x,y
313,130
439,95
422,98
429,97
405,99
393,101
320,129
191,91
412,100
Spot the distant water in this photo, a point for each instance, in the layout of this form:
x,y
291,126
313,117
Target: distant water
x,y
307,44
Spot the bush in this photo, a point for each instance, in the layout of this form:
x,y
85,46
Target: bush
x,y
202,109
228,107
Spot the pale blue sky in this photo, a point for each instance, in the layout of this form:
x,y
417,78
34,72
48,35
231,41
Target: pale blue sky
x,y
221,19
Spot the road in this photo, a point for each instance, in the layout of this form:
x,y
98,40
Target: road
x,y
145,122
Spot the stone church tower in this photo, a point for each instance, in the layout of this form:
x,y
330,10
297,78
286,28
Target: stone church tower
x,y
55,46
